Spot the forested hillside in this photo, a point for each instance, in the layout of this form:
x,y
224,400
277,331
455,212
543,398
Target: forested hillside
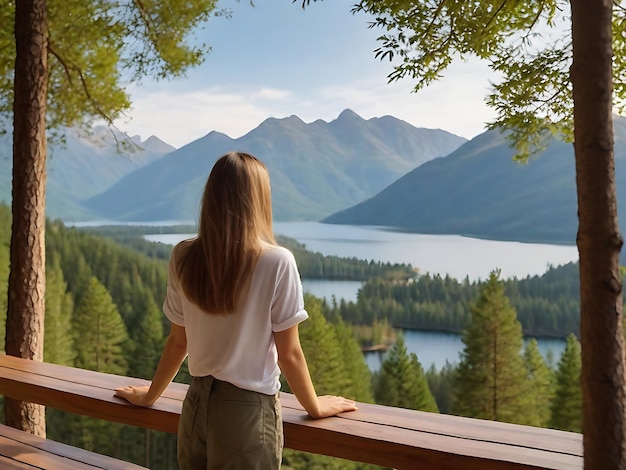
x,y
103,312
312,265
81,166
316,168
546,305
480,191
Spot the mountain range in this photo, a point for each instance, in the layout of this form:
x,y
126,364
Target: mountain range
x,y
82,165
316,168
381,172
480,191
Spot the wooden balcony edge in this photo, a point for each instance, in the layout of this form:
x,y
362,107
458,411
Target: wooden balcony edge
x,y
375,434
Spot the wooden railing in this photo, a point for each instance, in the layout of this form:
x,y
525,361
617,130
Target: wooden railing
x,y
386,436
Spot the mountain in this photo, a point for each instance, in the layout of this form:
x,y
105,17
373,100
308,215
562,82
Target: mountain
x,y
316,168
84,165
479,191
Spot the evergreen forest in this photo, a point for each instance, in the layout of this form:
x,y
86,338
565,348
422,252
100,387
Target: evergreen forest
x,y
546,305
104,293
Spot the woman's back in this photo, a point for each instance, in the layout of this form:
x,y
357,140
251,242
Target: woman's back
x,y
239,347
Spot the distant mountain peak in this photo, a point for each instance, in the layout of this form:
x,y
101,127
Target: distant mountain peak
x,y
348,114
278,123
317,168
155,144
214,134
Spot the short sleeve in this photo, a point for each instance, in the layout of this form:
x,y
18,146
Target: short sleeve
x,y
288,302
173,305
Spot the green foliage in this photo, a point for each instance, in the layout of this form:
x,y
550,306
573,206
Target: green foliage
x,y
101,344
619,58
441,385
522,42
7,60
99,332
566,409
59,341
303,460
322,350
359,379
127,277
546,305
97,47
148,337
492,381
401,381
314,265
123,271
337,367
541,386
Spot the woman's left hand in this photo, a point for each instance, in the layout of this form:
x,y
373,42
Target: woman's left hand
x,y
134,395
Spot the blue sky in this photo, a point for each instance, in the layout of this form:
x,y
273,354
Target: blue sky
x,y
276,60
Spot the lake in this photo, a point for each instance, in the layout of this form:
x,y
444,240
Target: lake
x,y
436,347
453,255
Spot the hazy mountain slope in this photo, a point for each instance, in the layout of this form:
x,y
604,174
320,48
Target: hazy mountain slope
x,y
6,164
162,188
316,168
83,166
478,190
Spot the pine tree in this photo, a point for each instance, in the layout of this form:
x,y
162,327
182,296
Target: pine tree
x,y
143,445
99,332
566,409
100,338
327,354
566,85
441,385
541,389
59,341
322,350
401,381
147,337
491,382
358,384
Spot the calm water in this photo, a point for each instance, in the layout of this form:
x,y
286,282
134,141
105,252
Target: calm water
x,y
437,254
434,347
346,290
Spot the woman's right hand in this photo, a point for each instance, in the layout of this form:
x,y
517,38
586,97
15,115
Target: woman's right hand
x,y
134,395
330,405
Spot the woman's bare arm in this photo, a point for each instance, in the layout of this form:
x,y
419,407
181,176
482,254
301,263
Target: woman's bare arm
x,y
293,365
172,357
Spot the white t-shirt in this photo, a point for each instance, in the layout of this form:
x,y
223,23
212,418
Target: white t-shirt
x,y
239,348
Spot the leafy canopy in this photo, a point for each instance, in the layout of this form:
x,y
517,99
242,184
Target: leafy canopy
x,y
527,44
98,47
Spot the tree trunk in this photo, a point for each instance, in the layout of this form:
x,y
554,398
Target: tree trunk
x,y
599,241
26,306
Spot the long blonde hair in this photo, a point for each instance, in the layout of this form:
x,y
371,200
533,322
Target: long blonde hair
x,y
214,269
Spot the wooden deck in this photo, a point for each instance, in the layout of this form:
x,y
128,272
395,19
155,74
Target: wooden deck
x,y
20,450
391,437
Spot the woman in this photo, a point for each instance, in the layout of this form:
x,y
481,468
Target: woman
x,y
235,301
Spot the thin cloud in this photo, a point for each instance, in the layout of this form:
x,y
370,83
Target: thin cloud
x,y
273,94
180,118
455,104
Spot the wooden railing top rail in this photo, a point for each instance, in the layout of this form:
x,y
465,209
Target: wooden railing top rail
x,y
374,434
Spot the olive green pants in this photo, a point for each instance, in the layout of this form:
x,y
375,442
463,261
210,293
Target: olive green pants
x,y
225,427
